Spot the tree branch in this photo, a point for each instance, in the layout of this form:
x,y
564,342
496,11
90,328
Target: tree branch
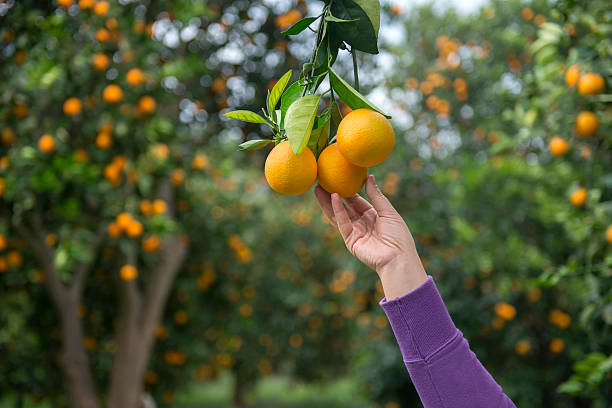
x,y
84,268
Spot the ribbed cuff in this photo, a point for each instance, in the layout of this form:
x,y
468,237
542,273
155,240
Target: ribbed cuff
x,y
420,321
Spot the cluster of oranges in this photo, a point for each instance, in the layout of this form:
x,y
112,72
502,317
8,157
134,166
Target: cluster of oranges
x,y
125,223
587,125
364,139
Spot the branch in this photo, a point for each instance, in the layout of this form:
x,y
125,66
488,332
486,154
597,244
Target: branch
x,y
355,73
44,254
83,268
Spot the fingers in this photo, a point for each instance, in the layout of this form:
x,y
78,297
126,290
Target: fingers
x,y
345,226
359,204
324,199
379,201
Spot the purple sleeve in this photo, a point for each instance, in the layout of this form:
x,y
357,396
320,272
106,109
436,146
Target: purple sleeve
x,y
445,372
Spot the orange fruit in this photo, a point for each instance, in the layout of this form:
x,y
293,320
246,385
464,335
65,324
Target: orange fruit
x,y
609,233
522,347
151,243
572,75
135,77
101,8
128,272
177,177
146,105
102,35
365,137
104,140
3,242
46,144
338,175
556,345
591,84
587,124
100,61
86,4
113,230
112,94
159,206
578,197
72,106
124,220
557,146
289,174
134,229
199,162
65,3
146,207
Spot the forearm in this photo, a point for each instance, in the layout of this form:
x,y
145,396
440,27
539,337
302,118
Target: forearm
x,y
442,367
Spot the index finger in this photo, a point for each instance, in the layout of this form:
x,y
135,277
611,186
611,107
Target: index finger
x,y
324,199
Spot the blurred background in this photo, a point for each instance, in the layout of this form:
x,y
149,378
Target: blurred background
x,y
144,261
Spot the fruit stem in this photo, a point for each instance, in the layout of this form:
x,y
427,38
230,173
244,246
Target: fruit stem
x,y
355,73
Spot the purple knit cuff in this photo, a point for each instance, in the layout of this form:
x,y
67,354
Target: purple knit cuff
x,y
420,322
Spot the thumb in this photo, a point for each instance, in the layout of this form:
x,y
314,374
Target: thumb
x,y
381,204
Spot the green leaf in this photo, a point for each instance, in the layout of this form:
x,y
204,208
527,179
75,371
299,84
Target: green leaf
x,y
300,26
363,34
245,116
291,95
254,144
299,120
333,19
320,133
349,95
278,90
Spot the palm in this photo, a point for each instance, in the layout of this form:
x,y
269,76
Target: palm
x,y
374,234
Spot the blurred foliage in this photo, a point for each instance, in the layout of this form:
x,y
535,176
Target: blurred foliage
x,y
267,286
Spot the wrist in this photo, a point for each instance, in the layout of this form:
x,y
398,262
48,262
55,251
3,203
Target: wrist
x,y
401,275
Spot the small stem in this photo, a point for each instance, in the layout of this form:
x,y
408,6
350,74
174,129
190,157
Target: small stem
x,y
355,73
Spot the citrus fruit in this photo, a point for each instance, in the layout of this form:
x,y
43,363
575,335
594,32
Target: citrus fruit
x,y
365,137
100,61
72,106
572,75
290,174
587,123
112,94
128,272
338,175
135,77
609,233
578,197
46,144
591,84
557,146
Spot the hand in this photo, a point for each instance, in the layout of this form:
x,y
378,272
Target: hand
x,y
378,236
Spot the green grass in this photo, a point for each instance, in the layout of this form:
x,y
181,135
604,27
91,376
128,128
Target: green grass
x,y
276,392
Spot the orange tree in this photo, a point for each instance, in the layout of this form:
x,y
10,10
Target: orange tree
x,y
489,186
105,185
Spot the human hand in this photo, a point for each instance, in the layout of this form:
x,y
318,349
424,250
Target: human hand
x,y
378,236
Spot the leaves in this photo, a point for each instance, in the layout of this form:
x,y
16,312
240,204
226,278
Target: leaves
x,y
333,19
362,34
299,120
320,133
245,116
277,91
349,95
300,26
254,144
291,95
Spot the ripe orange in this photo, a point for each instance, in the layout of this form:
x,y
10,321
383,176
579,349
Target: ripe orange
x,y
146,105
557,146
112,94
124,220
587,124
365,137
104,140
65,3
102,35
86,4
151,243
159,206
3,242
609,233
135,77
338,175
578,197
101,8
128,272
72,106
113,230
199,162
572,75
591,83
100,61
46,144
134,229
289,174
177,177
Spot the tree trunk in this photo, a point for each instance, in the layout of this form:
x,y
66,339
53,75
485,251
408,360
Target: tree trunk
x,y
139,318
73,358
238,394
